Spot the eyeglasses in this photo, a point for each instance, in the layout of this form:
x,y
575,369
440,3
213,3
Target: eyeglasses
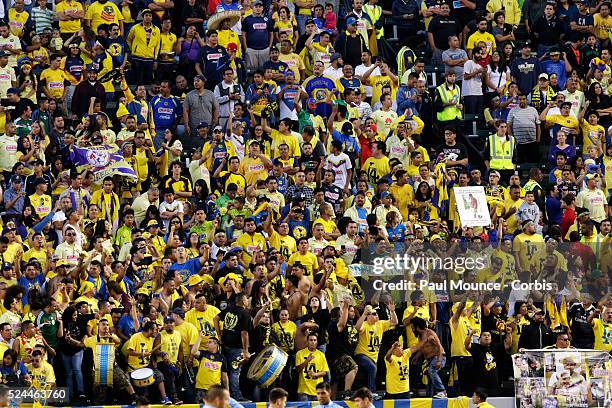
x,y
176,222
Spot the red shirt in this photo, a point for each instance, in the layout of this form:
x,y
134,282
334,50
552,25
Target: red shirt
x,y
569,217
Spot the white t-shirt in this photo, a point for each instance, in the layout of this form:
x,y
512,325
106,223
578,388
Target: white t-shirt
x,y
340,165
332,73
498,78
175,205
360,70
472,86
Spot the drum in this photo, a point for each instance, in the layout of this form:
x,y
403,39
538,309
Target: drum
x,y
267,366
143,377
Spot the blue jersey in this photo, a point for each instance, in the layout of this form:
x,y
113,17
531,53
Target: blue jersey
x,y
117,48
349,143
74,67
319,88
257,30
558,68
191,267
36,283
165,111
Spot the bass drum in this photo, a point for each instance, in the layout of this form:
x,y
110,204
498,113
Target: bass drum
x,y
267,366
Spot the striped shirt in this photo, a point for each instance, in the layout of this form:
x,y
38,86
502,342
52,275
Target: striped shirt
x,y
43,19
522,123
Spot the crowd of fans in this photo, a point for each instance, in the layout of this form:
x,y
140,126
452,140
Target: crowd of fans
x,y
264,153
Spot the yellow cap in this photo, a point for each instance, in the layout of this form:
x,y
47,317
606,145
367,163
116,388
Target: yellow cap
x,y
86,286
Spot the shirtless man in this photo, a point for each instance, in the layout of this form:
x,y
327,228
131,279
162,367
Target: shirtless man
x,y
433,352
305,288
294,297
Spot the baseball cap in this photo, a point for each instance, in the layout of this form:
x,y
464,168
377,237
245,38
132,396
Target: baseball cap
x,y
335,56
147,11
527,44
309,21
592,176
179,312
4,54
38,181
12,91
543,75
351,21
232,46
202,125
256,2
59,216
16,179
347,128
7,265
384,194
218,128
194,280
152,223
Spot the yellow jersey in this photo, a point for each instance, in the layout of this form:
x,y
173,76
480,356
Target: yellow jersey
x,y
378,82
307,384
398,369
69,26
42,377
286,334
530,249
370,337
421,312
250,245
285,244
603,335
210,368
458,334
279,138
41,203
308,260
55,80
204,321
138,343
106,13
376,168
189,335
170,344
485,37
17,21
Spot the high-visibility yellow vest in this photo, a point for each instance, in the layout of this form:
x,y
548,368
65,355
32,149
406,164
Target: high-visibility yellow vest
x,y
501,153
447,95
375,13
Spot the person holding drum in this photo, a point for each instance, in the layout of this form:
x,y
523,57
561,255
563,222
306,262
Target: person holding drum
x,y
107,373
139,349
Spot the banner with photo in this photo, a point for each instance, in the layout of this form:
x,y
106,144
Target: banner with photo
x,y
472,206
551,378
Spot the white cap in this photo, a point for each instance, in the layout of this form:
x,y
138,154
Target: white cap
x,y
59,216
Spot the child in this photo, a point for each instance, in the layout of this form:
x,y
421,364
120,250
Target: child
x,y
331,21
311,179
56,43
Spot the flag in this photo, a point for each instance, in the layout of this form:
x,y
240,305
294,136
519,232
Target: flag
x,y
103,160
440,190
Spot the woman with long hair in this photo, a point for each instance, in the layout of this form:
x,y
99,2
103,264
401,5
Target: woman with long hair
x,y
14,372
71,351
285,24
498,74
422,196
200,194
600,103
188,48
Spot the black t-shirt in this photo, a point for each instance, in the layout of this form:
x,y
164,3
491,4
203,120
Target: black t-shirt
x,y
235,321
441,28
496,325
486,364
582,332
320,317
454,153
340,343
